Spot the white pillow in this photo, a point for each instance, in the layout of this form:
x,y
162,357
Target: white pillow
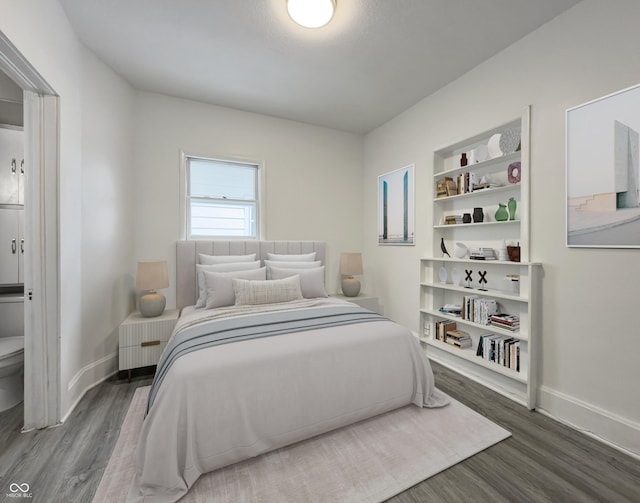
x,y
303,257
233,266
225,259
290,265
219,285
266,292
311,280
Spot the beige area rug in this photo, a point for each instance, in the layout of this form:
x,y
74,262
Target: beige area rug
x,y
369,461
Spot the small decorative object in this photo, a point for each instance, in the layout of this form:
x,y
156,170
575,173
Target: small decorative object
x,y
460,250
513,172
455,277
502,252
509,141
472,156
483,279
494,146
468,278
442,274
444,248
478,215
514,253
350,265
512,204
152,275
463,159
482,153
466,218
513,283
502,214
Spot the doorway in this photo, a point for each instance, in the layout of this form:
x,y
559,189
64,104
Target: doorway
x,y
41,277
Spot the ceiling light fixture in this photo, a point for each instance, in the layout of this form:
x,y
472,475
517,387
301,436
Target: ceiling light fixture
x,y
311,13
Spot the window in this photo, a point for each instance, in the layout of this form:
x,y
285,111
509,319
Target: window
x,y
222,198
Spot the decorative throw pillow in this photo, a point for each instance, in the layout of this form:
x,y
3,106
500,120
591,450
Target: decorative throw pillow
x,y
292,257
219,285
267,292
290,265
225,259
233,266
311,280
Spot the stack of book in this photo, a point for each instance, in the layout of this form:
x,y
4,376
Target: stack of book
x,y
466,182
500,349
458,338
482,253
452,309
446,187
506,321
452,219
442,327
478,309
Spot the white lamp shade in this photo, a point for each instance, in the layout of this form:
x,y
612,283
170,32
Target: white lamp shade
x,y
351,264
311,13
152,275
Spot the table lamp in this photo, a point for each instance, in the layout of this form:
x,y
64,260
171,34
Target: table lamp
x,y
151,276
350,265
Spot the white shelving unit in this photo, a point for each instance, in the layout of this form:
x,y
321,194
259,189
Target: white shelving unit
x,y
516,298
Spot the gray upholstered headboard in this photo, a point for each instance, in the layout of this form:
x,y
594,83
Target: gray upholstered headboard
x,y
187,258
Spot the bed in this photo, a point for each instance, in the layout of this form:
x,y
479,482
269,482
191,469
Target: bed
x,y
238,380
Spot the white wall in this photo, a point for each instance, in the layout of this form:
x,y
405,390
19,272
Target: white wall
x,y
107,226
313,175
93,137
590,356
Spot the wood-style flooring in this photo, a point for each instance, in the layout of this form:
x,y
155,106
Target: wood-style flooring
x,y
543,460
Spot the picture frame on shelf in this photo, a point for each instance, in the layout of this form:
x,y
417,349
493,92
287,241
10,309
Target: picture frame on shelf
x,y
603,172
396,207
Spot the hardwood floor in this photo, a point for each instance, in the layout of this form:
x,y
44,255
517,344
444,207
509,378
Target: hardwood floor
x,y
543,461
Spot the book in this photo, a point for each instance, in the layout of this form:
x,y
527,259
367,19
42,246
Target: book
x,y
458,334
452,309
451,187
505,321
458,338
442,327
442,186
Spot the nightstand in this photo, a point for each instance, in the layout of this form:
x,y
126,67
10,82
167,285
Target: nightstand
x,y
366,301
142,340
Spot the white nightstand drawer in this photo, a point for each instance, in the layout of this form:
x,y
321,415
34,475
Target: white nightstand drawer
x,y
366,301
142,340
133,357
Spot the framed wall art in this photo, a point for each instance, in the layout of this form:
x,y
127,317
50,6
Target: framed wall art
x,y
602,169
396,207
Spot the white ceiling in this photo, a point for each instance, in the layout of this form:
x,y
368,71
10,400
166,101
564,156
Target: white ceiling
x,y
374,60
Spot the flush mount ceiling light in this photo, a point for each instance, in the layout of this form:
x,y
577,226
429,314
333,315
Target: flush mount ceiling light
x,y
311,13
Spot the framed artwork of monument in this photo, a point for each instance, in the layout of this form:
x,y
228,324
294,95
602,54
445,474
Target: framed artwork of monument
x,y
396,207
602,169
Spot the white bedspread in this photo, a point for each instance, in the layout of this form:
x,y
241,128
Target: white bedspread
x,y
224,404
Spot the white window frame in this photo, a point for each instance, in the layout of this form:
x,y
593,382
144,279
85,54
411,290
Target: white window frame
x,y
184,193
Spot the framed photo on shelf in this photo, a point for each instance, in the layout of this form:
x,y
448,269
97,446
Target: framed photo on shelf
x,y
602,169
396,207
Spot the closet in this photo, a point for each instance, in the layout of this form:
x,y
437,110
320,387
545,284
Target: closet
x,y
11,205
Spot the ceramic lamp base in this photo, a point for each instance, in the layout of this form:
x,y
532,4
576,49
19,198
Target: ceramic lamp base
x,y
152,304
350,287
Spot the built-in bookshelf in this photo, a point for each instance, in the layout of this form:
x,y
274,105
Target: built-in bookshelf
x,y
469,278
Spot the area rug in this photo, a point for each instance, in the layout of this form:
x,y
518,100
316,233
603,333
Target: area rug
x,y
369,461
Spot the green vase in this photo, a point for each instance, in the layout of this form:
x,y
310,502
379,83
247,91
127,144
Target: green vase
x,y
502,214
512,208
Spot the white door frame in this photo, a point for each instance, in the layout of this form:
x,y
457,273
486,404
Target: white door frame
x,y
42,387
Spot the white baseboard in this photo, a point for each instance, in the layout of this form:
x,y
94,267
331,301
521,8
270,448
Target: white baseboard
x,y
614,430
89,377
